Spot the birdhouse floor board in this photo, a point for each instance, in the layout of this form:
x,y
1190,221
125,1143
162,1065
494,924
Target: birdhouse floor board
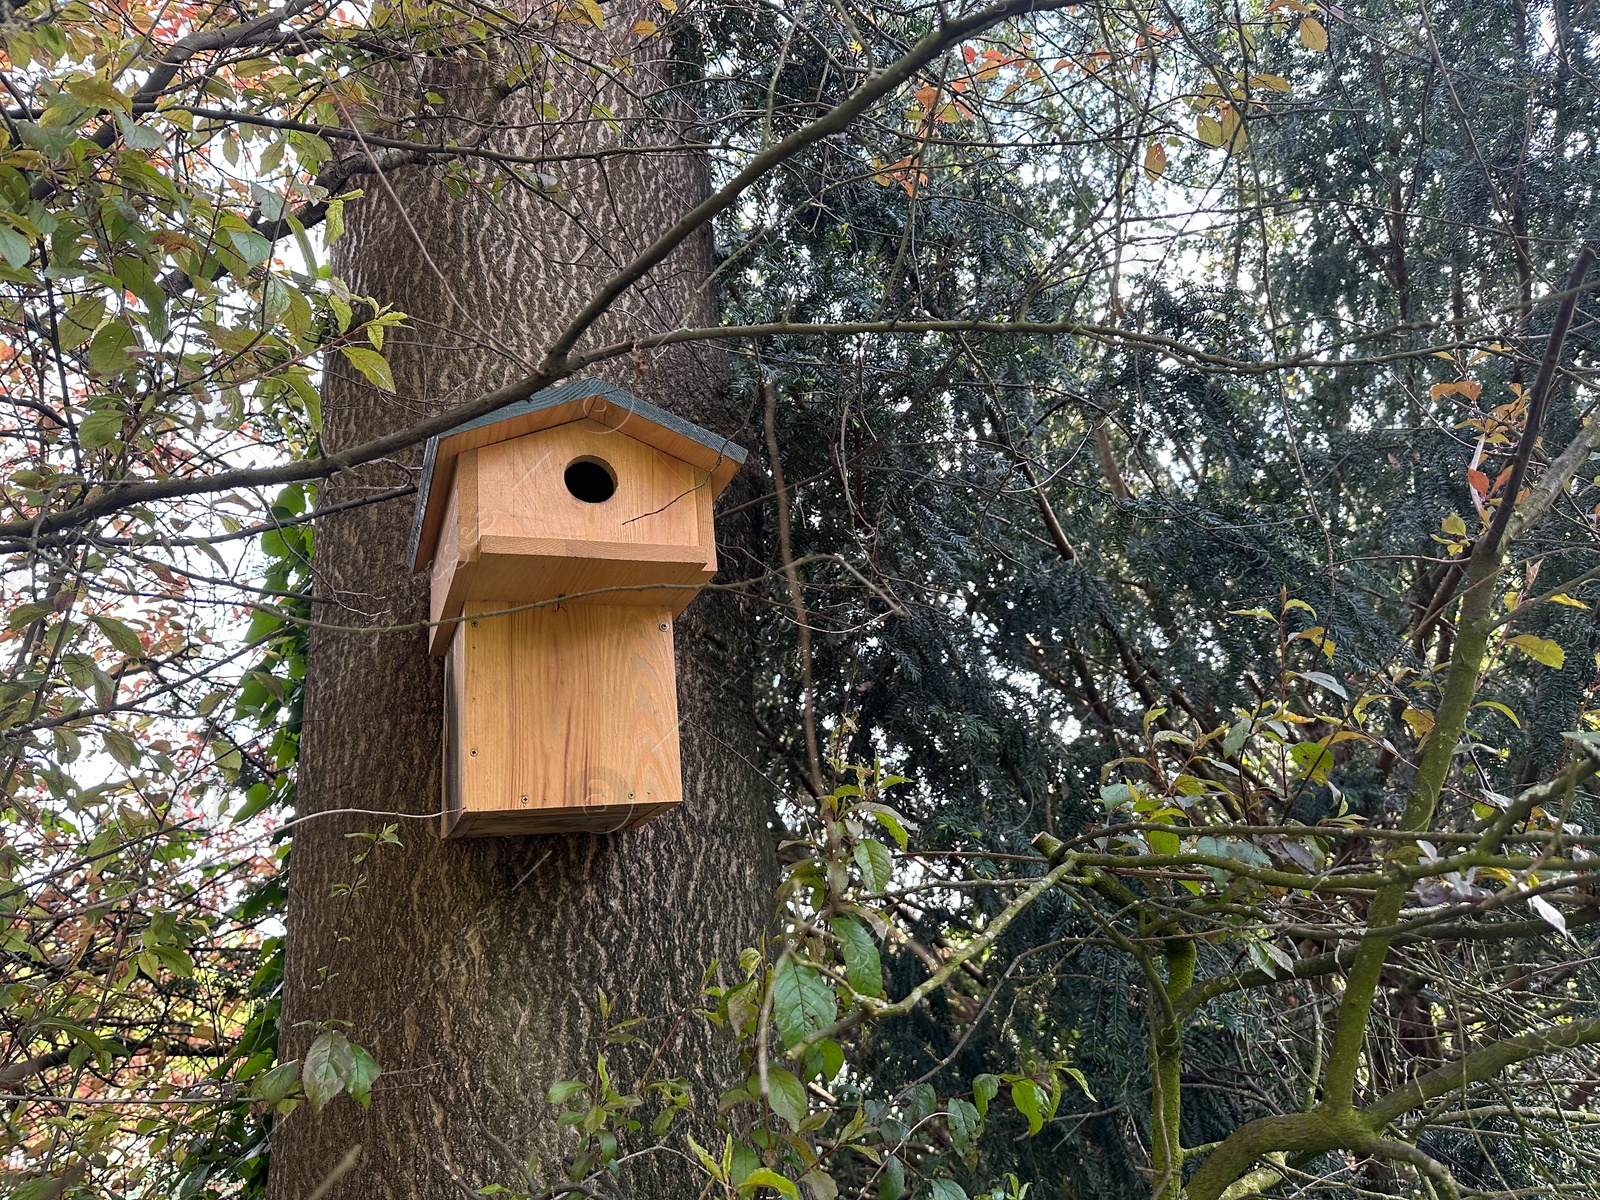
x,y
560,719
600,818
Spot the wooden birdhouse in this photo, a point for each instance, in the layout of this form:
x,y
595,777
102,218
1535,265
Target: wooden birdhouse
x,y
566,533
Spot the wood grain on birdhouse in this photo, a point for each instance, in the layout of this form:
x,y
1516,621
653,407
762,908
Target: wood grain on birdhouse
x,y
564,538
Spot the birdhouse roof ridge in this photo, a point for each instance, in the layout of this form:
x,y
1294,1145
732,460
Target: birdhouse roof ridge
x,y
721,456
585,389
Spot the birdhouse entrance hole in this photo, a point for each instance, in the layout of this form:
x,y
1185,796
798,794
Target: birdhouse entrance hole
x,y
566,534
591,480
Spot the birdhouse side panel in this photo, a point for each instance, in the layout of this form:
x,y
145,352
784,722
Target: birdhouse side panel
x,y
458,548
523,489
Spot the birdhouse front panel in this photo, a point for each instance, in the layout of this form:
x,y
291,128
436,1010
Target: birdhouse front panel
x,y
586,482
565,536
560,719
580,511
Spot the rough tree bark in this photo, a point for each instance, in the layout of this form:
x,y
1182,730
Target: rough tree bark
x,y
471,968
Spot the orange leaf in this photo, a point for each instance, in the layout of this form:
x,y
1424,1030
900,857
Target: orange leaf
x,y
1465,387
1155,160
1479,482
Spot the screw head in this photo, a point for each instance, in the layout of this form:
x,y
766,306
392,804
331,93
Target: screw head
x,y
474,753
663,627
524,802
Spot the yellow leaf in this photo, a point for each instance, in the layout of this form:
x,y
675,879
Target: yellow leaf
x,y
1454,525
670,5
1361,704
1209,131
1155,160
1276,82
1312,35
1541,650
1501,709
1347,735
644,28
1318,635
1232,126
598,19
1563,598
1420,720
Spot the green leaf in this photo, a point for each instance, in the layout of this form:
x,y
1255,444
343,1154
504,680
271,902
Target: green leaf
x,y
564,1090
963,1120
1313,760
831,1058
363,1074
786,1094
946,1189
704,1155
1028,1098
862,966
819,1185
108,352
16,248
94,92
763,1177
889,819
124,640
80,321
278,1084
892,1180
1541,650
984,1089
139,137
102,427
120,746
1077,1077
329,1068
256,799
371,364
802,1002
1163,842
877,867
333,222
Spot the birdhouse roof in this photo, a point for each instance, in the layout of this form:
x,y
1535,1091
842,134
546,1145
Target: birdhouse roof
x,y
575,400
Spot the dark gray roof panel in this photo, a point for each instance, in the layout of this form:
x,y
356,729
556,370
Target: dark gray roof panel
x,y
582,389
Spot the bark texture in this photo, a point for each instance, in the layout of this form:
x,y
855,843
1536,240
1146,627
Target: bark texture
x,y
471,968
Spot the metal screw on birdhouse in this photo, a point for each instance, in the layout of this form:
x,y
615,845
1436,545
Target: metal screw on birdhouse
x,y
524,802
474,624
663,627
474,754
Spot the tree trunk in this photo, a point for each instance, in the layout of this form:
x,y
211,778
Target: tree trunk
x,y
471,968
